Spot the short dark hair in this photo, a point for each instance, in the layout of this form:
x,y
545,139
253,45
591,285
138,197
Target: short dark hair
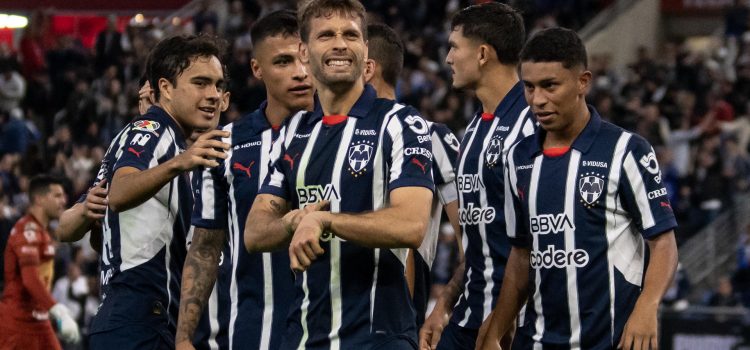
x,y
496,24
171,56
556,45
282,22
385,47
39,185
310,9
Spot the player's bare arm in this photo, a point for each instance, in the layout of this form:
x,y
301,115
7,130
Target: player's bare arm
x,y
401,225
131,187
270,224
198,278
512,297
432,329
81,217
641,330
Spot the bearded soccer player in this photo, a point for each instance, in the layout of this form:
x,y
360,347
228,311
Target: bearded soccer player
x,y
249,303
385,61
484,44
150,196
26,302
363,155
582,196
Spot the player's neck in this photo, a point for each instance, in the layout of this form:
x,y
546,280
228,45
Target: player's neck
x,y
276,112
566,136
186,131
494,84
38,213
383,89
339,100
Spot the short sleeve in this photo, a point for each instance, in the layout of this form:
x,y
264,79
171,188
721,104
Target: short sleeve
x,y
140,144
515,222
275,182
410,151
445,150
211,198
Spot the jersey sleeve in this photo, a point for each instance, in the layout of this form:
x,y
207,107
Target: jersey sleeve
x,y
211,198
445,150
409,150
642,192
140,144
515,221
275,182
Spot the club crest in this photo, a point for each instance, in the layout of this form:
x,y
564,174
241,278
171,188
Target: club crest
x,y
591,186
494,150
359,155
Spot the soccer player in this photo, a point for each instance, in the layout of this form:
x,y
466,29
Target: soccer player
x,y
484,44
581,197
385,61
372,160
26,302
249,304
150,196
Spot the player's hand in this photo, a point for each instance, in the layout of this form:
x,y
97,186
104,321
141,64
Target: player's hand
x,y
184,345
432,329
292,219
641,329
204,152
305,246
96,201
67,327
145,98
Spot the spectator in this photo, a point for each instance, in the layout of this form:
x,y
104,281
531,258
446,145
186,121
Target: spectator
x,y
12,89
724,295
108,46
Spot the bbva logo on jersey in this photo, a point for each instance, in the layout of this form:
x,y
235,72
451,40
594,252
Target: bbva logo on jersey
x,y
590,186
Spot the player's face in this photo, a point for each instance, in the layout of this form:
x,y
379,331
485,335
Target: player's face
x,y
336,50
463,58
224,105
554,92
195,101
277,63
54,201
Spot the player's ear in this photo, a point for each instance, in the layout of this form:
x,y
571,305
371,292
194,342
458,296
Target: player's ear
x,y
255,67
165,89
225,101
483,54
584,81
304,55
369,70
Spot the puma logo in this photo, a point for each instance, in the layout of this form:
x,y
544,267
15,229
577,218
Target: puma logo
x,y
290,159
416,162
131,150
239,166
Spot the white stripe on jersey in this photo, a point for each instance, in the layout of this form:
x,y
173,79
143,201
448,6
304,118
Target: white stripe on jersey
x,y
442,163
213,318
614,227
522,127
335,249
464,237
570,245
265,336
533,188
301,183
639,190
120,140
174,203
207,191
394,131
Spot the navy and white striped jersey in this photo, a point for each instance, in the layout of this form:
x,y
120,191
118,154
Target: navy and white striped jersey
x,y
445,151
250,301
351,295
584,215
480,182
143,248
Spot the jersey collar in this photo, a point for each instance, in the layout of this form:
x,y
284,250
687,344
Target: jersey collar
x,y
359,109
514,95
583,141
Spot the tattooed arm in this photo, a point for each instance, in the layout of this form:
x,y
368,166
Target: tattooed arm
x,y
270,224
198,278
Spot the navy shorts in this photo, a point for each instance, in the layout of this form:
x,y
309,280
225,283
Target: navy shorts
x,y
457,337
135,337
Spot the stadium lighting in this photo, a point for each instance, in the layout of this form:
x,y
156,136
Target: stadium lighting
x,y
13,21
138,18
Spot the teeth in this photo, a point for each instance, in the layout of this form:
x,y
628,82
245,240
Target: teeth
x,y
338,63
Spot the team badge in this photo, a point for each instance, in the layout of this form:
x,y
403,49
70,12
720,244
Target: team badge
x,y
591,186
147,125
451,140
494,150
359,155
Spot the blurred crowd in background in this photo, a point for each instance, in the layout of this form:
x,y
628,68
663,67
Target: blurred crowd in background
x,y
61,103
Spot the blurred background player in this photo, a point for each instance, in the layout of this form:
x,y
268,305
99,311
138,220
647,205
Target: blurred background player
x,y
26,303
363,155
485,41
385,52
141,260
249,303
584,275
